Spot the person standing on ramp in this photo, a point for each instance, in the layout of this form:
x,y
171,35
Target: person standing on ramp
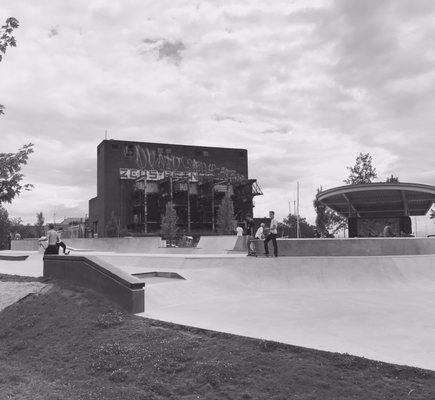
x,y
273,232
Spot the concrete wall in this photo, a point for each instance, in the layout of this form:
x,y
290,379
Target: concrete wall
x,y
351,247
25,245
119,245
149,244
92,272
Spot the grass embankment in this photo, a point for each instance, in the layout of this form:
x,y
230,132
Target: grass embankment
x,y
71,343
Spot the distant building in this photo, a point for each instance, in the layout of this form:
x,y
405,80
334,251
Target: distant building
x,y
135,180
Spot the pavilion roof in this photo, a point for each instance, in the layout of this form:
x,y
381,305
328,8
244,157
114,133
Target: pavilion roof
x,y
379,200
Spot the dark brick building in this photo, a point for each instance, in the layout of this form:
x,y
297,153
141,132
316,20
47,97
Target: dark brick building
x,y
135,180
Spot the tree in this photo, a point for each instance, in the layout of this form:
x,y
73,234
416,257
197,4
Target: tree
x,y
169,222
288,227
4,228
40,220
10,173
7,40
225,217
362,172
112,226
392,179
328,222
26,231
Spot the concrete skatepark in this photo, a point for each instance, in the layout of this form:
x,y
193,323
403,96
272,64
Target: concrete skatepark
x,y
379,307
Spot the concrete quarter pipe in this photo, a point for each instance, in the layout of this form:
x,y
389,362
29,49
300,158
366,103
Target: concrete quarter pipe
x,y
376,307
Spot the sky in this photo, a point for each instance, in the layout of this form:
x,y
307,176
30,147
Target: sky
x,y
304,86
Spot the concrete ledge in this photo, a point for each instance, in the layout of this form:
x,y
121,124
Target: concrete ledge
x,y
350,247
13,258
94,273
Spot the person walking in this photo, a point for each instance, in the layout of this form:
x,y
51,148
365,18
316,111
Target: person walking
x,y
52,240
273,232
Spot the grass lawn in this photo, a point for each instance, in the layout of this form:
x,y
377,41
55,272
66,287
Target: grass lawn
x,y
71,343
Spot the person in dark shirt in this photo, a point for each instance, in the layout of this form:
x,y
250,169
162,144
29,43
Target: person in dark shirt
x,y
249,230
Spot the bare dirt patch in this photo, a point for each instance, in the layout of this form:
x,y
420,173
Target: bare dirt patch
x,y
71,343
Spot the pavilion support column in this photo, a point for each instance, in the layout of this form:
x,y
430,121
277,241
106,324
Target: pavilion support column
x,y
352,226
405,225
405,203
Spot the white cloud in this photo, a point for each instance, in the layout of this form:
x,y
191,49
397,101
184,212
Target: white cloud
x,y
303,86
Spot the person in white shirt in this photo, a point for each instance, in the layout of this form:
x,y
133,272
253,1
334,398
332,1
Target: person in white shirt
x,y
239,231
260,232
273,231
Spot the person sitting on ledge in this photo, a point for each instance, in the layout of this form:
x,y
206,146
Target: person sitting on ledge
x,y
388,231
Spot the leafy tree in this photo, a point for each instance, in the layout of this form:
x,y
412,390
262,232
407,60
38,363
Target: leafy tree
x,y
40,220
322,216
225,216
169,222
4,228
26,231
7,40
362,172
289,227
392,179
328,222
10,173
112,226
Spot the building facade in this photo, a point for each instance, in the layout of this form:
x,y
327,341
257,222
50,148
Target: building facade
x,y
135,181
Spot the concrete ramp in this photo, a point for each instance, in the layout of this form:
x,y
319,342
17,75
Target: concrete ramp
x,y
376,307
31,265
216,244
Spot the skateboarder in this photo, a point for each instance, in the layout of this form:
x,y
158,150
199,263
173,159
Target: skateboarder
x,y
273,231
52,239
249,224
58,244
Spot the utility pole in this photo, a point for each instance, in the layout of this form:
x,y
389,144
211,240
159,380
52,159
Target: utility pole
x,y
145,204
298,232
188,205
212,207
172,191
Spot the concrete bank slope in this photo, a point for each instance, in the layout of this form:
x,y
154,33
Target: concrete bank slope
x,y
31,266
376,307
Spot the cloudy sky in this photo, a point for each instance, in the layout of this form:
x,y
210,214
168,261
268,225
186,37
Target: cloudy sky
x,y
303,85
